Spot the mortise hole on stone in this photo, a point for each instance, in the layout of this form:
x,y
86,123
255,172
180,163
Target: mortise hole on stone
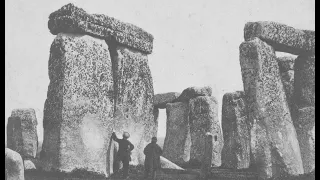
x,y
127,116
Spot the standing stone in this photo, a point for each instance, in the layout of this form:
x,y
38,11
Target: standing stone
x,y
13,165
282,37
203,118
272,132
236,135
304,81
133,98
79,107
156,120
305,127
207,156
193,92
286,68
22,132
161,100
177,142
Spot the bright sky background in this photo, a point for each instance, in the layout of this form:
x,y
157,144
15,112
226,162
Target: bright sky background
x,y
196,43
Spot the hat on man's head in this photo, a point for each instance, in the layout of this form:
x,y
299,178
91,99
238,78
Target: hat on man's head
x,y
126,135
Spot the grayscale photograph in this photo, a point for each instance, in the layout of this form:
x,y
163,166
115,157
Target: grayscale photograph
x,y
160,90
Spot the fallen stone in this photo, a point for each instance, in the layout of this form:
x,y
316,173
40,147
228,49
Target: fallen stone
x,y
133,99
193,92
177,142
304,81
236,135
161,100
166,164
78,111
22,132
203,118
13,165
71,19
273,134
286,63
29,165
281,37
305,127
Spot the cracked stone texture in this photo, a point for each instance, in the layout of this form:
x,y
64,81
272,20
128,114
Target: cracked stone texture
x,y
304,81
274,145
14,169
281,37
71,19
305,127
78,111
203,118
177,142
22,132
236,134
193,92
161,100
133,99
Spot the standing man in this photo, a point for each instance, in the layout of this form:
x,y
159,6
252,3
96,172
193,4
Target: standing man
x,y
152,161
123,155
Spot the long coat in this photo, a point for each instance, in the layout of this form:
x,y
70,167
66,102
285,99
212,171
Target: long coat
x,y
152,160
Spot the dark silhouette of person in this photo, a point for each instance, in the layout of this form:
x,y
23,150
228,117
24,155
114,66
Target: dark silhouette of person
x,y
124,153
152,160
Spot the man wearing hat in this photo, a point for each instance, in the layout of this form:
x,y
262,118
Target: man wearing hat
x,y
123,155
152,161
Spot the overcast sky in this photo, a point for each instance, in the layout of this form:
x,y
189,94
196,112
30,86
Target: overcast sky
x,y
196,43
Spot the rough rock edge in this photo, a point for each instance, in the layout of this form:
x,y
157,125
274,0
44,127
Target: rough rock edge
x,y
124,33
282,37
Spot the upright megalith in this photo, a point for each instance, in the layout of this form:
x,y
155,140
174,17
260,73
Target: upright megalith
x,y
78,112
22,132
177,142
203,118
236,134
274,145
207,157
100,82
282,37
161,100
133,98
304,93
304,81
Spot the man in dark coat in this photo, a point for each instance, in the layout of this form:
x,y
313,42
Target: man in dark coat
x,y
123,155
152,161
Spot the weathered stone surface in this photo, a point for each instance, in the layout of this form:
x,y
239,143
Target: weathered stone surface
x,y
208,155
305,127
133,99
286,63
165,163
281,37
272,132
304,81
203,118
71,19
22,132
79,107
14,165
287,79
177,142
193,92
161,100
236,135
29,165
